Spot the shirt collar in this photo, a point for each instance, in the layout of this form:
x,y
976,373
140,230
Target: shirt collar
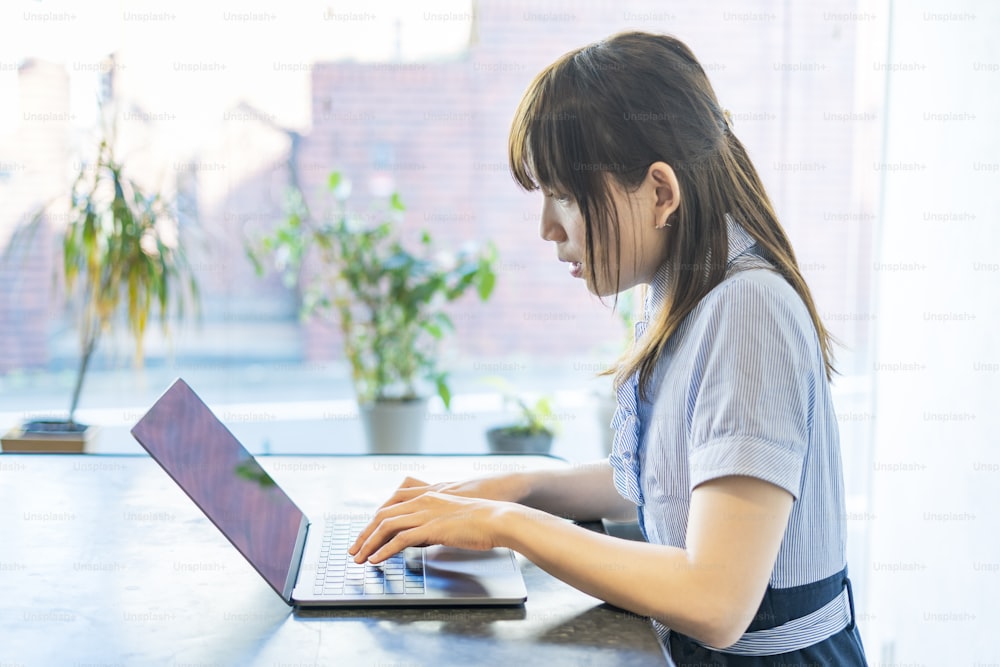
x,y
739,242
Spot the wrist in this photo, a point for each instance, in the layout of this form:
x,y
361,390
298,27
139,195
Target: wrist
x,y
515,524
506,524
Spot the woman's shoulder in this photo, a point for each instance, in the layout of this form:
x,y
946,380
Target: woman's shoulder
x,y
752,276
756,293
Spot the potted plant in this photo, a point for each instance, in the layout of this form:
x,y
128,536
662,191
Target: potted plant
x,y
534,429
387,298
121,256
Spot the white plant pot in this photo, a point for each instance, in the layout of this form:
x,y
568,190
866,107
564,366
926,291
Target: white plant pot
x,y
394,427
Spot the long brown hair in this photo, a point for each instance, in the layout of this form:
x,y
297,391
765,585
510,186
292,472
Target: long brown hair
x,y
608,111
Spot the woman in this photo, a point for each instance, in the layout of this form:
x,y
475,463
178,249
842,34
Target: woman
x,y
726,446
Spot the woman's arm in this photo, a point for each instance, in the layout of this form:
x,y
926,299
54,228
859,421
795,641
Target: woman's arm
x,y
709,590
582,493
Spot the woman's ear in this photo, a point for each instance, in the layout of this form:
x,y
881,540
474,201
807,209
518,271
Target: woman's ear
x,y
662,182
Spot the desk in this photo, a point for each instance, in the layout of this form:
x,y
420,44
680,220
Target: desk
x,y
105,561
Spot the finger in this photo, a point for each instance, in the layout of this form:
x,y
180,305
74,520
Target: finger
x,y
386,513
364,534
386,531
400,541
409,489
400,496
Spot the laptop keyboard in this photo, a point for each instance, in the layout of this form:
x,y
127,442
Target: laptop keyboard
x,y
338,574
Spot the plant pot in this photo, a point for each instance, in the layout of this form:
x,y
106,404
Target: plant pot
x,y
49,435
394,426
503,441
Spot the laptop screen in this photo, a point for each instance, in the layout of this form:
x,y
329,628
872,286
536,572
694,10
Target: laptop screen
x,y
223,479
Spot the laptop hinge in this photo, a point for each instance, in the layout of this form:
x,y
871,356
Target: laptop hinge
x,y
296,562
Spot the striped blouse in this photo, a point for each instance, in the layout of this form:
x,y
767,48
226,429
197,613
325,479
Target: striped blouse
x,y
740,390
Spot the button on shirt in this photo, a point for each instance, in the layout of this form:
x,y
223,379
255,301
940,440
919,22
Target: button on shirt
x,y
740,389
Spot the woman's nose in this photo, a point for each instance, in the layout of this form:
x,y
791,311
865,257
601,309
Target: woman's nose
x,y
550,228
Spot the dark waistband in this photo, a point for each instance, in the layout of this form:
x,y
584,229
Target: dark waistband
x,y
781,605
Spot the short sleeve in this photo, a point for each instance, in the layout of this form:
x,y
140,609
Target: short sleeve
x,y
751,396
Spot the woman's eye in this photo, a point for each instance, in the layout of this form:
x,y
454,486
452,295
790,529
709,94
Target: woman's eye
x,y
560,197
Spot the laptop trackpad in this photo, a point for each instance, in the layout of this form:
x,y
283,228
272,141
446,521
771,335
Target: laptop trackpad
x,y
468,573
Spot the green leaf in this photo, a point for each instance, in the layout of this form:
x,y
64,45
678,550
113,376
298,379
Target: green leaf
x,y
486,281
258,266
443,391
434,330
396,203
334,180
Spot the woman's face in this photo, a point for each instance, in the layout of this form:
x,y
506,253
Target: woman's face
x,y
642,243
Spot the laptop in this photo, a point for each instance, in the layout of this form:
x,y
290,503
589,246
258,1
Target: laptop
x,y
306,563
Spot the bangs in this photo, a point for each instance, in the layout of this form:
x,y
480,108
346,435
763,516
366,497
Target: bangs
x,y
546,137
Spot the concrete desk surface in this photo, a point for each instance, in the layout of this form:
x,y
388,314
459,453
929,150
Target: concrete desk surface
x,y
105,561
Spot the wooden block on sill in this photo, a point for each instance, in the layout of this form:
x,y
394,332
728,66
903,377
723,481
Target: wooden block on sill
x,y
16,441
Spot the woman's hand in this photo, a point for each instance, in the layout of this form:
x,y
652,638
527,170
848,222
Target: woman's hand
x,y
417,515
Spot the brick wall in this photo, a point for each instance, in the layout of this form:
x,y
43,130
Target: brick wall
x,y
444,129
439,131
33,164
